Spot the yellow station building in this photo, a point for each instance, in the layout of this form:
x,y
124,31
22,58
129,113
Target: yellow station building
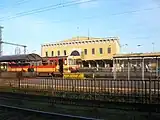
x,y
88,49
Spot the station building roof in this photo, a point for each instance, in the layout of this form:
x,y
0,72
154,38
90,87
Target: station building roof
x,y
21,57
80,39
137,55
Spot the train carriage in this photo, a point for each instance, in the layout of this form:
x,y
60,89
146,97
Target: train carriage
x,y
48,66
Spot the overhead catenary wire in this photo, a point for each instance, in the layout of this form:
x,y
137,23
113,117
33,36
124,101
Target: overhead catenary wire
x,y
22,1
65,4
43,9
17,3
110,15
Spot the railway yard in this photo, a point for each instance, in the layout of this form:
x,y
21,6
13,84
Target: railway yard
x,y
126,88
109,68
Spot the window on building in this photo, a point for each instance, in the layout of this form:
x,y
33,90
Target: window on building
x,y
58,53
65,53
85,51
46,54
52,53
100,50
109,50
93,51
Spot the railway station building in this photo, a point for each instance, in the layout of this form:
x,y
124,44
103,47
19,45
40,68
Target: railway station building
x,y
93,52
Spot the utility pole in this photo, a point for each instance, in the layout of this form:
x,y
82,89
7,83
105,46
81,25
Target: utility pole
x,y
153,46
1,40
78,33
24,49
139,47
14,44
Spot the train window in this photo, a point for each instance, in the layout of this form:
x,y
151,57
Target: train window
x,y
53,62
40,63
45,63
32,64
65,62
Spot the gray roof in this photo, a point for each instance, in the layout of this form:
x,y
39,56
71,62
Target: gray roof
x,y
137,55
22,57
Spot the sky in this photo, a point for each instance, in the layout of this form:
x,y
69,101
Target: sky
x,y
135,22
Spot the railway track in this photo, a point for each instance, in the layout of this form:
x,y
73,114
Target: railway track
x,y
16,113
9,98
49,115
41,115
49,104
16,98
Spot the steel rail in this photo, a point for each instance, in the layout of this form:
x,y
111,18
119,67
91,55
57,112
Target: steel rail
x,y
47,113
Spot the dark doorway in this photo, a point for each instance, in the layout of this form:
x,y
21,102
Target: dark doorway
x,y
60,61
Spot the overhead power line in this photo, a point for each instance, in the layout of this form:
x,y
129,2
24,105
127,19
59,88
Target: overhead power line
x,y
19,2
110,15
51,7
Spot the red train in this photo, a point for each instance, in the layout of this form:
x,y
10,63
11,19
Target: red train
x,y
49,66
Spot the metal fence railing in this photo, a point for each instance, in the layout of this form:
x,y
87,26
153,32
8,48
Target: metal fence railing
x,y
141,91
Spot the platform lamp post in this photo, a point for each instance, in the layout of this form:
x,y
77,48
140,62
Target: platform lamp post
x,y
78,33
124,45
139,45
153,46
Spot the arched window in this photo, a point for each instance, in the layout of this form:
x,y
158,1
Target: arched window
x,y
75,53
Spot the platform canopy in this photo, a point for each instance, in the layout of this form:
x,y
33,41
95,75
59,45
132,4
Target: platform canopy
x,y
21,57
137,55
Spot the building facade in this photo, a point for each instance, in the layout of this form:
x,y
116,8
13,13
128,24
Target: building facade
x,y
87,48
92,52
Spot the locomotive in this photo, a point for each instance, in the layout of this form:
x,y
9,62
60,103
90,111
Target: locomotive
x,y
53,66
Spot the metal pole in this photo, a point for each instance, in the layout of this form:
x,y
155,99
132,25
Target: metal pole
x,y
24,49
128,69
114,68
150,92
157,70
78,33
142,68
1,40
153,46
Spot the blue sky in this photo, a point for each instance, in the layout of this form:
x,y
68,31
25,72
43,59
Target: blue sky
x,y
103,18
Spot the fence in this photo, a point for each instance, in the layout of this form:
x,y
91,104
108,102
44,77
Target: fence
x,y
139,91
